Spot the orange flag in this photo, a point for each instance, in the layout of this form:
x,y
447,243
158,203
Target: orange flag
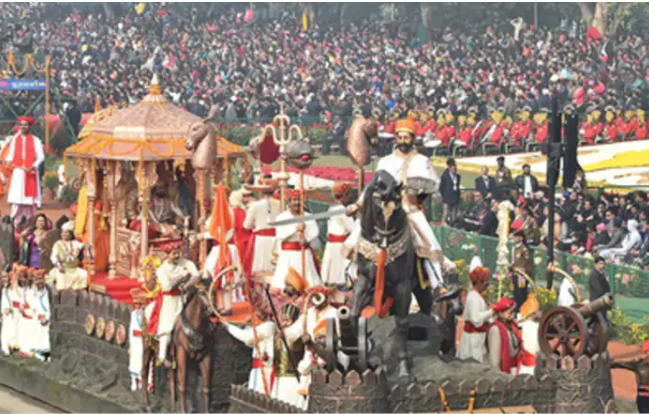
x,y
221,223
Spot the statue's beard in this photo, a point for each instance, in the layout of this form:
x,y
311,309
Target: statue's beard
x,y
405,147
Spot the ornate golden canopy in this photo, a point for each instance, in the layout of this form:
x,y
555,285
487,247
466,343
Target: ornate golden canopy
x,y
152,130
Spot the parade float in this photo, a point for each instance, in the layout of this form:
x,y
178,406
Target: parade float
x,y
363,367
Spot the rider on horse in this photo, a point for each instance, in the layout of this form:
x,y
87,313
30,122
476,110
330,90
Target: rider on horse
x,y
173,272
411,169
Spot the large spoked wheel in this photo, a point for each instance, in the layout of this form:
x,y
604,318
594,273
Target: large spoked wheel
x,y
564,332
597,332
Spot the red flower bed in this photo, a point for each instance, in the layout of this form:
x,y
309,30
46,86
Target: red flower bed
x,y
329,173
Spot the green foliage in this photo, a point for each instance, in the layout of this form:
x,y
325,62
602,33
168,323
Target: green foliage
x,y
51,180
547,298
627,331
68,195
52,162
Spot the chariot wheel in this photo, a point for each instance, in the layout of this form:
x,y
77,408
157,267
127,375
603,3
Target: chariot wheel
x,y
332,349
597,332
564,332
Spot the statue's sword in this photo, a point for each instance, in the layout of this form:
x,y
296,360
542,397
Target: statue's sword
x,y
311,217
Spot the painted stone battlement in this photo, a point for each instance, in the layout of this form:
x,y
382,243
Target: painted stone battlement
x,y
245,400
560,385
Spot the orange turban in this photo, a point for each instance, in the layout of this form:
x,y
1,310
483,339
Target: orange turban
x,y
406,125
295,280
341,189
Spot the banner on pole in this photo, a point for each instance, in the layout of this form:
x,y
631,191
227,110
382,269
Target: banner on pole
x,y
22,84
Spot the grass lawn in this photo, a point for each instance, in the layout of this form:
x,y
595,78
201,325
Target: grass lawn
x,y
635,308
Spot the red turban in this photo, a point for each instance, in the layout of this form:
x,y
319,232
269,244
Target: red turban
x,y
504,304
479,273
29,119
292,193
172,245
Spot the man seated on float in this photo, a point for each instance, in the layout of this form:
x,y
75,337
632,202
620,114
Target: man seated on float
x,y
163,312
165,217
403,164
292,243
229,287
66,257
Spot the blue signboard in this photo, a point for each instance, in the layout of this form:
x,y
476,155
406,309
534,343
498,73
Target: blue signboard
x,y
22,84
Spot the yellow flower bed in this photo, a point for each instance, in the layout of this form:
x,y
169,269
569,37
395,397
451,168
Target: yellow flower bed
x,y
625,160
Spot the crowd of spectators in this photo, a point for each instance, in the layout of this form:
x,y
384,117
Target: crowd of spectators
x,y
235,67
613,226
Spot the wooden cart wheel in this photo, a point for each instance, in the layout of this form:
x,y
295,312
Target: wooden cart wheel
x,y
597,332
564,332
332,349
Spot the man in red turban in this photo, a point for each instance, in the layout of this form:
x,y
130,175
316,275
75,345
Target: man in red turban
x,y
477,317
25,154
504,338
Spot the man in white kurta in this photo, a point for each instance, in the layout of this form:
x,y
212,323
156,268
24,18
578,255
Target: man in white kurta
x,y
67,272
25,154
41,306
477,317
530,312
259,257
292,243
27,323
164,312
135,343
334,262
11,297
404,163
230,284
261,378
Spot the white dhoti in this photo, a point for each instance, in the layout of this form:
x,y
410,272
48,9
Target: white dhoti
x,y
41,343
10,319
287,390
334,264
74,278
262,259
473,343
529,349
262,373
27,325
135,348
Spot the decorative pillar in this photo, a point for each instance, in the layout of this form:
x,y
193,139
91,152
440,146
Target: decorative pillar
x,y
146,177
502,261
91,185
112,257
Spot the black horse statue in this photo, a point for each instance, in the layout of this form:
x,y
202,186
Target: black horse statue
x,y
386,259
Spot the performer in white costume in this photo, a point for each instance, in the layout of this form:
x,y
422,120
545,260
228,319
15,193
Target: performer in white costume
x,y
530,312
135,341
403,164
290,255
11,298
477,317
259,256
42,317
67,273
168,305
25,154
27,322
334,262
5,314
261,339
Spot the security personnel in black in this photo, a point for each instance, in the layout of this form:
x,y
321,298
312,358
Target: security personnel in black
x,y
522,260
504,180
